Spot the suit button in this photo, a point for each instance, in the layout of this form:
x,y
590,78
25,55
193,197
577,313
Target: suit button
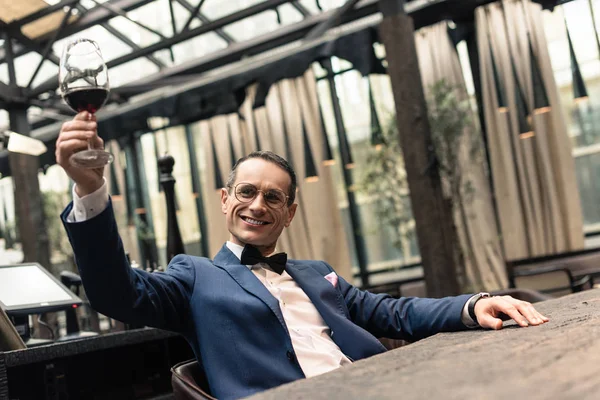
x,y
291,356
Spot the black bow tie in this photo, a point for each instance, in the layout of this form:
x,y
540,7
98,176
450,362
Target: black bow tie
x,y
251,256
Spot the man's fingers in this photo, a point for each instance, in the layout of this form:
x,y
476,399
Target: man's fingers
x,y
75,125
97,142
83,116
68,147
529,312
487,321
79,135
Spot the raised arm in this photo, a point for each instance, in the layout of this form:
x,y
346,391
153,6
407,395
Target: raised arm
x,y
112,286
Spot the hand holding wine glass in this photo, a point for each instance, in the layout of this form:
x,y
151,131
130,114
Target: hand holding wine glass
x,y
83,81
75,135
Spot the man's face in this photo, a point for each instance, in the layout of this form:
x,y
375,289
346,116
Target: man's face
x,y
256,222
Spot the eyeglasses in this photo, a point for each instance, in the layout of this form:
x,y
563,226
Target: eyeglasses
x,y
247,192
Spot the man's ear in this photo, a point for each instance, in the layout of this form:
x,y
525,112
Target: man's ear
x,y
291,213
224,198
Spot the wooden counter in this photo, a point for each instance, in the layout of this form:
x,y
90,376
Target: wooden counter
x,y
558,360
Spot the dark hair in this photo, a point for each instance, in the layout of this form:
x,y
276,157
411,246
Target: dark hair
x,y
272,158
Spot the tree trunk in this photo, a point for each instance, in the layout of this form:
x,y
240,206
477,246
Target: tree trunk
x,y
436,233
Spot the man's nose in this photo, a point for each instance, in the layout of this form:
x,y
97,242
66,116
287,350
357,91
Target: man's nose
x,y
259,202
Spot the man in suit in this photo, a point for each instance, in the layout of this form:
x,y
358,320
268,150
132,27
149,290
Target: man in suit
x,y
253,322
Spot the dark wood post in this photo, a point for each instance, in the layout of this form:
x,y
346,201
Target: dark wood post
x,y
29,207
174,242
436,233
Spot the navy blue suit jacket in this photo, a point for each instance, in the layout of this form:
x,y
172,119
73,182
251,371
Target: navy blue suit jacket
x,y
231,320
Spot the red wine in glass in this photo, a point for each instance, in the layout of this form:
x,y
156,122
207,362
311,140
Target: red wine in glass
x,y
83,82
87,99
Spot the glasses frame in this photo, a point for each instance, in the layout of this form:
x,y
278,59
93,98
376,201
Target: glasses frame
x,y
245,201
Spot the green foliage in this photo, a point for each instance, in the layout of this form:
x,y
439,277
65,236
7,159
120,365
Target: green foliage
x,y
452,132
385,177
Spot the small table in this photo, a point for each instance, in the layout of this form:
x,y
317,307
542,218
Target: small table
x,y
557,360
123,365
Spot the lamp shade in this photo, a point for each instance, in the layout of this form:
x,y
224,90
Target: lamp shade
x,y
541,104
579,90
500,94
310,168
377,139
17,143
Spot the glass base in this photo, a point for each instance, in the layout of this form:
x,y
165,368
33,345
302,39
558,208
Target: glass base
x,y
91,159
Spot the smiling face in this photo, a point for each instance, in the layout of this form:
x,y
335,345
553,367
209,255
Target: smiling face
x,y
255,222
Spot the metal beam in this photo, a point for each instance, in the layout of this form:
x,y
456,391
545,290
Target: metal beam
x,y
303,10
332,21
29,44
257,45
42,13
116,33
193,14
9,94
94,16
52,83
121,13
48,48
97,15
205,20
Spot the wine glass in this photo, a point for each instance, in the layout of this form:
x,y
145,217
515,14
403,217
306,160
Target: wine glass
x,y
83,82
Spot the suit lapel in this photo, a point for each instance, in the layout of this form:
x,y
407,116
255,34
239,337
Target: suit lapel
x,y
247,280
323,295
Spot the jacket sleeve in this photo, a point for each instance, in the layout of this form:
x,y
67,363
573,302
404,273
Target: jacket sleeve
x,y
408,318
115,289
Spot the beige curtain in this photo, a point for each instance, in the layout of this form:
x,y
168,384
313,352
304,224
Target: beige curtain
x,y
534,177
317,231
128,232
474,218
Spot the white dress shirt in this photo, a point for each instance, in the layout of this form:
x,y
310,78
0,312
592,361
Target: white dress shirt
x,y
316,352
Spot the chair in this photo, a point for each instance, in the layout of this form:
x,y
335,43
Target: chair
x,y
9,337
532,296
554,280
189,381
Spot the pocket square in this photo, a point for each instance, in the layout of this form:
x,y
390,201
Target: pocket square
x,y
332,278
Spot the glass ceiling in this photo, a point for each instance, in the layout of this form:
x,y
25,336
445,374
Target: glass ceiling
x,y
156,16
128,31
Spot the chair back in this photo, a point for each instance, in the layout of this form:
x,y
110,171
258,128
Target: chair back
x,y
9,337
189,381
554,281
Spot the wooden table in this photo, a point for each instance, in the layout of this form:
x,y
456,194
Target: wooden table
x,y
558,360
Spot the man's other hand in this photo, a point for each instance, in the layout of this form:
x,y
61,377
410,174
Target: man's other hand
x,y
491,311
73,137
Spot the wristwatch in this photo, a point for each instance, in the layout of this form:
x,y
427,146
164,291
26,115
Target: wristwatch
x,y
472,303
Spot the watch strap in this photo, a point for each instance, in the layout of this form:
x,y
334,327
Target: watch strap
x,y
473,301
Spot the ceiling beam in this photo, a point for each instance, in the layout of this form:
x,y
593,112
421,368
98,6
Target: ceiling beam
x,y
222,34
97,15
94,16
41,13
303,10
52,83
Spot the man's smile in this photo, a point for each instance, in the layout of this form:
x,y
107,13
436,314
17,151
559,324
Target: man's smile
x,y
252,221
